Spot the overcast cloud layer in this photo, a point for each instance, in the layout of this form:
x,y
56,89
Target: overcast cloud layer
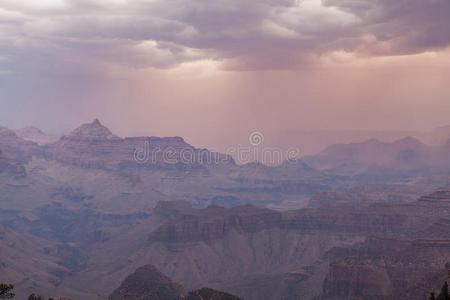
x,y
241,34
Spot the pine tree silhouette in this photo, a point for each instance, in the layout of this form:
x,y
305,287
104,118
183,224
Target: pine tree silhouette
x,y
6,291
443,295
35,297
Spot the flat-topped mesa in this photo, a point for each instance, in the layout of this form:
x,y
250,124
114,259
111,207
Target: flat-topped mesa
x,y
92,131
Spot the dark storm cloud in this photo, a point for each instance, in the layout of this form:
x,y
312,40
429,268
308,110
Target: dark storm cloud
x,y
244,34
406,26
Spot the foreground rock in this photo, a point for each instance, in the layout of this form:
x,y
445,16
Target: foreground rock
x,y
209,294
147,283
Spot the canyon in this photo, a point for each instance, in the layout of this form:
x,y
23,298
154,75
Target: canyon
x,y
358,221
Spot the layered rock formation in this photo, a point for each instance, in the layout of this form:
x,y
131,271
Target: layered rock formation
x,y
215,223
406,268
245,249
373,251
94,145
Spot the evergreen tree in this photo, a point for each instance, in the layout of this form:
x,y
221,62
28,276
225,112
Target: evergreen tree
x,y
35,297
443,295
6,291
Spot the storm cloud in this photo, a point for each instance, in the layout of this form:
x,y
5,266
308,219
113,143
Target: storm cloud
x,y
98,35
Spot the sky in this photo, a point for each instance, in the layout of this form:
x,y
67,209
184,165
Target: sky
x,y
215,70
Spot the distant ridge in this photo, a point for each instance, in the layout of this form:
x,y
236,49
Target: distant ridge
x,y
404,155
36,135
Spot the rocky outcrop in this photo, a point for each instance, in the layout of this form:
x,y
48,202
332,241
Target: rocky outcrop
x,y
209,294
147,283
93,145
